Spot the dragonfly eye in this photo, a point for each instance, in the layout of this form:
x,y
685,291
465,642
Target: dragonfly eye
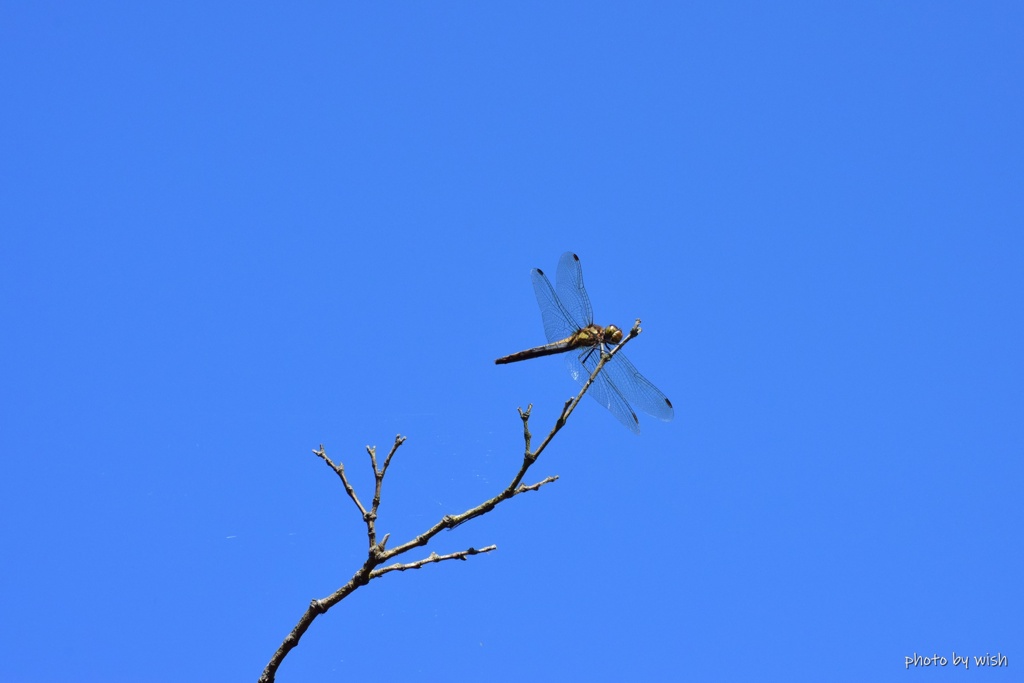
x,y
612,334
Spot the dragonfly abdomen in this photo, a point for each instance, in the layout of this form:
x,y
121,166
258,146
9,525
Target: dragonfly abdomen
x,y
569,344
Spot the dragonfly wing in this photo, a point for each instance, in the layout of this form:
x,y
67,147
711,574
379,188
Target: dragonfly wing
x,y
558,322
635,388
603,389
571,291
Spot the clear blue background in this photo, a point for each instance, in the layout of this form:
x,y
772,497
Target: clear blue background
x,y
231,232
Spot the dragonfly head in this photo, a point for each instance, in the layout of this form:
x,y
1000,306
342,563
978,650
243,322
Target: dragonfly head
x,y
612,335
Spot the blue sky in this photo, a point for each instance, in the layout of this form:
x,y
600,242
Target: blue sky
x,y
233,232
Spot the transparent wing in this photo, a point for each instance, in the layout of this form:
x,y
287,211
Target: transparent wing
x,y
603,390
635,388
558,322
571,292
618,386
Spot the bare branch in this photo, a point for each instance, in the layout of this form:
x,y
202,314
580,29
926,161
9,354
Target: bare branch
x,y
452,521
339,469
525,417
315,609
434,557
378,554
379,473
378,482
399,440
523,488
372,452
360,578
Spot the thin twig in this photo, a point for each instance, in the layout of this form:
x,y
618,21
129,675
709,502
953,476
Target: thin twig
x,y
434,557
378,482
399,440
339,469
523,488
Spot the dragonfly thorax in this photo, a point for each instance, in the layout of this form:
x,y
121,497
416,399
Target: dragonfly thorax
x,y
592,335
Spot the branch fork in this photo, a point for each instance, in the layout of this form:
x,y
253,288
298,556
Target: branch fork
x,y
377,554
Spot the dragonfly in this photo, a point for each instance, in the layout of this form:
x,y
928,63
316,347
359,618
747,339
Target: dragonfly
x,y
570,329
